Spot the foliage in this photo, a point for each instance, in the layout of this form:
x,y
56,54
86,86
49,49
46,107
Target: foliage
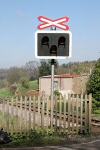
x,y
33,70
45,68
57,93
35,137
32,85
76,67
93,85
95,105
24,82
97,111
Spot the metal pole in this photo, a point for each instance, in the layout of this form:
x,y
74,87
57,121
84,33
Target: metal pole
x,y
52,90
52,86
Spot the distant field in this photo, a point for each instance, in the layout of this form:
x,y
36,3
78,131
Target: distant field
x,y
33,85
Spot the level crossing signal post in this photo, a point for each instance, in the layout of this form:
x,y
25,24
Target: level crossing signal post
x,y
53,44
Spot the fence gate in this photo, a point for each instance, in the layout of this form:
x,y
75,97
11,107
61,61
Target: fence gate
x,y
71,115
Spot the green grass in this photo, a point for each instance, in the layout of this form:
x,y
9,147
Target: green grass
x,y
5,92
33,85
97,111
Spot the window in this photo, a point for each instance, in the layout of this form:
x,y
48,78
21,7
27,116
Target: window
x,y
55,85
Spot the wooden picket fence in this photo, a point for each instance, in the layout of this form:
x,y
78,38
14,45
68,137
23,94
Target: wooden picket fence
x,y
70,115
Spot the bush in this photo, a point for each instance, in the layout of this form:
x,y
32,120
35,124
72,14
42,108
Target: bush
x,y
24,83
13,88
57,93
93,85
35,137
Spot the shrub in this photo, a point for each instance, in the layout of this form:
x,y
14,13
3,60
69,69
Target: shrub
x,y
24,83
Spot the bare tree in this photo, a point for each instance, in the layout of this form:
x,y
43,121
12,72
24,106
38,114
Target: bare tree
x,y
15,74
32,69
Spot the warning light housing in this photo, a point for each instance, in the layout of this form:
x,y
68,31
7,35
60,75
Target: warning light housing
x,y
53,44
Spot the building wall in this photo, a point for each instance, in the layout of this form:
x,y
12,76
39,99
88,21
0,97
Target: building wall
x,y
66,84
79,84
60,84
45,85
75,85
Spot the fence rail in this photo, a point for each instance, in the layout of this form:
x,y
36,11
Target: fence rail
x,y
71,115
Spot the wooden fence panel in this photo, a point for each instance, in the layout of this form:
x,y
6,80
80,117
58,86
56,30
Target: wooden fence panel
x,y
71,115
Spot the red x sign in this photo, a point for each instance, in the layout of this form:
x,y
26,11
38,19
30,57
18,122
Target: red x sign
x,y
49,23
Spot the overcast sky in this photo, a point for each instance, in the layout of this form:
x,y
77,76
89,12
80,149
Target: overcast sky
x,y
18,23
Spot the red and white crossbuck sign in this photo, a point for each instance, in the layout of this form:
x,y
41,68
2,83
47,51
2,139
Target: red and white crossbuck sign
x,y
59,23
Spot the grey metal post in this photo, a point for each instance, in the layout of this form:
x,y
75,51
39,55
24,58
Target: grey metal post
x,y
52,90
52,86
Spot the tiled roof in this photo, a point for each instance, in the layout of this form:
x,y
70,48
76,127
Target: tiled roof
x,y
63,76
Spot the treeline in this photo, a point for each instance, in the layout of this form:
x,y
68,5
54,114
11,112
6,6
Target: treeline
x,y
32,70
77,67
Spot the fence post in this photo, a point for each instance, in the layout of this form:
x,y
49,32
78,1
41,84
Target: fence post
x,y
16,104
64,102
34,109
56,100
3,110
20,112
77,115
69,110
12,115
39,109
86,114
90,111
73,103
42,111
60,112
26,115
7,116
47,111
81,113
29,125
